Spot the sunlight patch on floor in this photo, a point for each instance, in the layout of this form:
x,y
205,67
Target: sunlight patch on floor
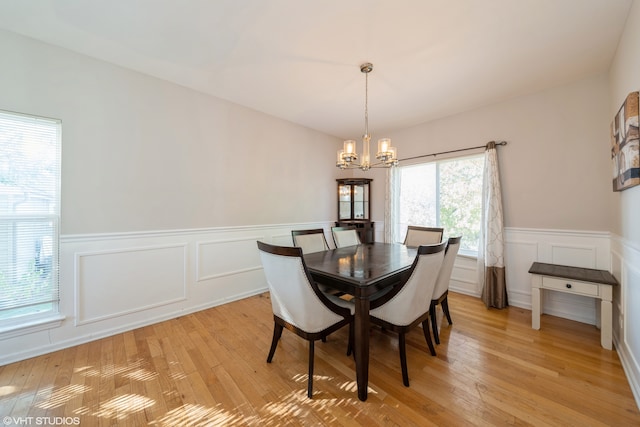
x,y
196,415
61,396
6,390
119,407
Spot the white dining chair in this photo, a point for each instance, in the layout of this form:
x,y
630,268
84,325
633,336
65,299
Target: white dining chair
x,y
441,290
345,236
407,304
310,241
417,236
297,303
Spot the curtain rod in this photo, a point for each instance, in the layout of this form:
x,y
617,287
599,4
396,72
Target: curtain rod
x,y
454,151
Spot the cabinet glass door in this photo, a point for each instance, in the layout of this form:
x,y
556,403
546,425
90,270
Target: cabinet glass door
x,y
344,198
358,201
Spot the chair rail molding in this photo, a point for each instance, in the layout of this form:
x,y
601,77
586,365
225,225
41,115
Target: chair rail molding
x,y
114,282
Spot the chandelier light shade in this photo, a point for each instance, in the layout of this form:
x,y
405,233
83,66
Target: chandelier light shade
x,y
386,154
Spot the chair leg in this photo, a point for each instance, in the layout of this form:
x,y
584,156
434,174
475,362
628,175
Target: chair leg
x,y
310,381
434,324
445,308
403,359
350,344
277,333
427,336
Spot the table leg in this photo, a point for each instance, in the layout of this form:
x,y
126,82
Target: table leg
x,y
536,282
606,325
361,345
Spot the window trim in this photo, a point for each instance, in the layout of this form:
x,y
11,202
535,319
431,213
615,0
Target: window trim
x,y
466,253
32,325
37,321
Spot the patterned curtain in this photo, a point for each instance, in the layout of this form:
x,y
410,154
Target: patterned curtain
x,y
390,207
491,251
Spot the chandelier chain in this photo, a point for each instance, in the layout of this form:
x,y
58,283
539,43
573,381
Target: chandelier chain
x,y
366,104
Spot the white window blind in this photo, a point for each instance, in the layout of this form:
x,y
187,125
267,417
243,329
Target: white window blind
x,y
29,216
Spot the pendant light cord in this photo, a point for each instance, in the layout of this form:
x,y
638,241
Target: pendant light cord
x,y
366,104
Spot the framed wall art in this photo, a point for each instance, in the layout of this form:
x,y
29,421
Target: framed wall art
x,y
625,143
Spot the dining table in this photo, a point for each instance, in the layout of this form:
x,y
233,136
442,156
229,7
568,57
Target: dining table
x,y
363,271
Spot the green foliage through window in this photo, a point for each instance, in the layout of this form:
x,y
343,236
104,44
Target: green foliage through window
x,y
446,194
29,216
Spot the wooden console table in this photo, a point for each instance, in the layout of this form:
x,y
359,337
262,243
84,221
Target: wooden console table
x,y
578,281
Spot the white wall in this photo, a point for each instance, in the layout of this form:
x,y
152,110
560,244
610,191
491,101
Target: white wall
x,y
624,77
164,192
139,153
555,170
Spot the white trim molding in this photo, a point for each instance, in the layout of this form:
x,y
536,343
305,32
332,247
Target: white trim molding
x,y
115,282
111,283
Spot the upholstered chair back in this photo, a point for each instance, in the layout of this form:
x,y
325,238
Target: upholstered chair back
x,y
294,298
444,277
311,242
345,237
414,297
417,236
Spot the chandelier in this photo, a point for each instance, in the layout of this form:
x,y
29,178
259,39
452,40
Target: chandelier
x,y
386,154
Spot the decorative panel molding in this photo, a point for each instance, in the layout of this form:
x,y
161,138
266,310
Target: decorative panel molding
x,y
282,240
219,258
519,298
632,314
625,259
519,255
575,255
464,277
568,247
113,283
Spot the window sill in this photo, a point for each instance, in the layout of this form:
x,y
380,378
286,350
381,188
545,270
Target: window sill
x,y
468,256
34,325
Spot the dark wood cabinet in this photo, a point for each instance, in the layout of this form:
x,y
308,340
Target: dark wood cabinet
x,y
354,206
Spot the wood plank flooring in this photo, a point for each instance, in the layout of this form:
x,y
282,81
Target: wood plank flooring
x,y
209,369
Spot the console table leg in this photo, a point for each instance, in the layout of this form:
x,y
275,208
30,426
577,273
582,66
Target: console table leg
x,y
536,308
606,315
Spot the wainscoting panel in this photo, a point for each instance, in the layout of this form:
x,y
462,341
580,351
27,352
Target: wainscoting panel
x,y
114,283
519,255
110,283
464,277
578,256
284,239
632,316
625,259
577,248
226,257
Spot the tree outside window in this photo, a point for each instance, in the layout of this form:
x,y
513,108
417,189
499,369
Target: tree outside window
x,y
447,194
29,216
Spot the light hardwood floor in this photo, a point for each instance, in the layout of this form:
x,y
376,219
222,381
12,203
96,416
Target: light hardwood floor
x,y
209,369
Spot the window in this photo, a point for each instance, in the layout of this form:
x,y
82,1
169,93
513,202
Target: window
x,y
446,193
29,217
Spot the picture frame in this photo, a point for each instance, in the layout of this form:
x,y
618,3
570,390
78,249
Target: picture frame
x,y
625,145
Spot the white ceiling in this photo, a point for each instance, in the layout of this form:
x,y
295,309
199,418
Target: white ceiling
x,y
300,59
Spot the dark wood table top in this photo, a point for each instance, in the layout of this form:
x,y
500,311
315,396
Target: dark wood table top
x,y
574,273
360,270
